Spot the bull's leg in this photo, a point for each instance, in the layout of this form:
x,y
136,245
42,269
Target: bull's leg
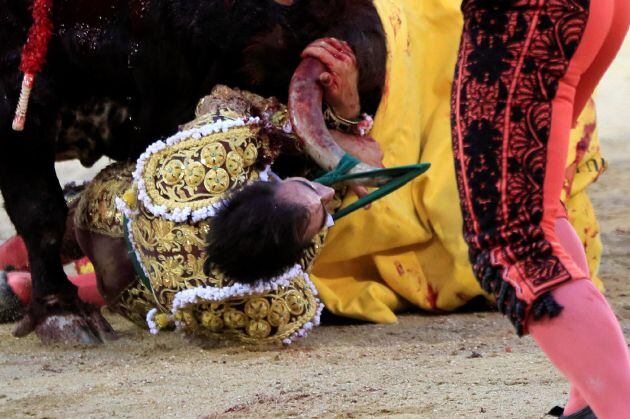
x,y
34,201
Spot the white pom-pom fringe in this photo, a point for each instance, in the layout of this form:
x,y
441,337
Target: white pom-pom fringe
x,y
153,328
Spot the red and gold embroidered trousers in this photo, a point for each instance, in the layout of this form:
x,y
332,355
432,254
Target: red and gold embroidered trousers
x,y
525,71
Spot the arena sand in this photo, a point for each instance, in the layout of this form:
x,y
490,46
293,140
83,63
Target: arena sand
x,y
459,365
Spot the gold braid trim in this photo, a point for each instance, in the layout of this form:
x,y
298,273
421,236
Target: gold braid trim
x,y
96,210
134,303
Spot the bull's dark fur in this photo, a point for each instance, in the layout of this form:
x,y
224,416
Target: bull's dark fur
x,y
156,67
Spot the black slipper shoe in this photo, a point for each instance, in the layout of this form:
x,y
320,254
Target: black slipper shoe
x,y
11,308
585,413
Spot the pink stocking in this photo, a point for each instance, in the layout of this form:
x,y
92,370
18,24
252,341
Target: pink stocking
x,y
586,344
570,241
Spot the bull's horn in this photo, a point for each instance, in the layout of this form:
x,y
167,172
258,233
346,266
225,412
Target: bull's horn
x,y
305,110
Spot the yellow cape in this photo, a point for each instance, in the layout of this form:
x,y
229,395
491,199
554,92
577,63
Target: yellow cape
x,y
408,248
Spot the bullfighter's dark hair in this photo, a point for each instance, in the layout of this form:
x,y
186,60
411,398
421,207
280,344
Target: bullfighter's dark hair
x,y
255,235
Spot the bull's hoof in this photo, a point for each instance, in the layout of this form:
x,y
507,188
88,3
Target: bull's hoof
x,y
57,319
11,308
70,328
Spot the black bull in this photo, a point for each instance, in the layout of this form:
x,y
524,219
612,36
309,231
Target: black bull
x,y
121,74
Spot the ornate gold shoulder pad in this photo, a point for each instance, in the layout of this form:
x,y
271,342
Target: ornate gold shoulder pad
x,y
190,173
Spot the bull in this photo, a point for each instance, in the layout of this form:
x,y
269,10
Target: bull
x,y
120,75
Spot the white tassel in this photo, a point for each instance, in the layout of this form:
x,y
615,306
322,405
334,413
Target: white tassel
x,y
20,112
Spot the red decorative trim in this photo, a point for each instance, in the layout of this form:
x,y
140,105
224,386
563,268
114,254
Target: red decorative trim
x,y
33,56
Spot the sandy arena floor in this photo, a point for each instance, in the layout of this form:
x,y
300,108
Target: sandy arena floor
x,y
460,365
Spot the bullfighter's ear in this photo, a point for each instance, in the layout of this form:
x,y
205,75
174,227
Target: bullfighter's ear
x,y
284,2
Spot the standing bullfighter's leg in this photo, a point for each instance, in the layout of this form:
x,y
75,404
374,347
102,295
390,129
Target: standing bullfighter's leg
x,y
35,204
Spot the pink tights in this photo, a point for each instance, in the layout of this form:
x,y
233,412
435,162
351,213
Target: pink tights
x,y
586,342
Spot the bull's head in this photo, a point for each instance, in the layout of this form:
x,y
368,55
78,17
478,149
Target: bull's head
x,y
272,50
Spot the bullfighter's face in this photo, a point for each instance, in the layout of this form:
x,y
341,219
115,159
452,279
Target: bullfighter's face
x,y
312,196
